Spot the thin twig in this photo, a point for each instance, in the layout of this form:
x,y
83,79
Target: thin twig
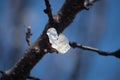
x,y
28,34
48,10
115,53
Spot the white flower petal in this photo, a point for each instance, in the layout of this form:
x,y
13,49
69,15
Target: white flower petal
x,y
59,42
52,34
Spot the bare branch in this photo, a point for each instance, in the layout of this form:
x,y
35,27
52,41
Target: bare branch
x,y
48,10
115,53
28,34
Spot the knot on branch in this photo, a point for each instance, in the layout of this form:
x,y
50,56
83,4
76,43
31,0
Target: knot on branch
x,y
35,50
88,3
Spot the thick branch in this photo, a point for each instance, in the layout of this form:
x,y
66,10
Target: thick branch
x,y
115,53
21,70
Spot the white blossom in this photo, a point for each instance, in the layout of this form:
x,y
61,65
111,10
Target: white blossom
x,y
59,42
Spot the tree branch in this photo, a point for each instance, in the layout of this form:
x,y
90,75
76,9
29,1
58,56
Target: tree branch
x,y
35,52
115,53
48,11
28,34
